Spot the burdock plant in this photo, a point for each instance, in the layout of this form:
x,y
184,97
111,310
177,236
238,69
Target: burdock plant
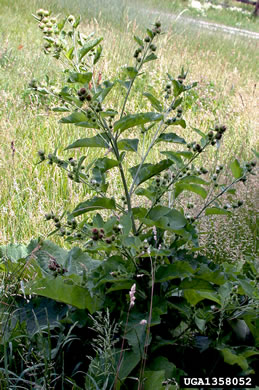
x,y
111,227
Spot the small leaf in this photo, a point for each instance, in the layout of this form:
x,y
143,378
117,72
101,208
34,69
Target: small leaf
x,y
82,78
180,187
75,117
105,163
99,141
103,90
149,170
203,135
139,41
193,179
171,137
131,145
60,109
131,71
69,53
236,169
129,121
88,46
145,192
98,53
154,101
216,210
151,57
174,157
95,203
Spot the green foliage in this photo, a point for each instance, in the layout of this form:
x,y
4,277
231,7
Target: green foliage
x,y
185,304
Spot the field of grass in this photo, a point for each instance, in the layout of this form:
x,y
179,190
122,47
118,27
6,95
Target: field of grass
x,y
230,14
224,66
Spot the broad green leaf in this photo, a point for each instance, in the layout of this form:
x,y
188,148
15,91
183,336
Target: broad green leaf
x,y
98,141
165,218
69,293
150,57
129,121
180,187
102,91
154,101
131,71
88,46
109,112
95,203
193,179
82,78
139,212
126,222
231,357
185,154
179,269
236,169
14,252
194,297
216,210
139,41
105,163
174,157
170,137
154,380
149,170
75,117
145,192
160,363
131,145
179,122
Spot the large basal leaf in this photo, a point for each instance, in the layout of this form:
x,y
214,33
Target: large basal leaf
x,y
232,357
179,269
98,141
236,169
171,137
14,252
63,289
149,170
197,189
154,380
131,145
194,297
83,78
89,46
95,203
154,101
216,211
129,121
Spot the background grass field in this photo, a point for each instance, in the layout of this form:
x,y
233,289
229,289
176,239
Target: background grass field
x,y
225,67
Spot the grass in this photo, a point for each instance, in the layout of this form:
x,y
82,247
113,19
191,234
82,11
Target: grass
x,y
226,15
224,66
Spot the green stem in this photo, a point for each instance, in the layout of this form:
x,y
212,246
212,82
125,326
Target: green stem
x,y
217,196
